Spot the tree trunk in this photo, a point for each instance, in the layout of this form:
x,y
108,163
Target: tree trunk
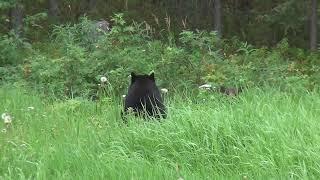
x,y
16,18
313,26
92,5
218,17
244,15
53,12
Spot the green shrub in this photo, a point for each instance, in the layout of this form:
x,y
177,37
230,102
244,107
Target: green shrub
x,y
73,62
12,49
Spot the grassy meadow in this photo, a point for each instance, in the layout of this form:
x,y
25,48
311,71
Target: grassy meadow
x,y
263,133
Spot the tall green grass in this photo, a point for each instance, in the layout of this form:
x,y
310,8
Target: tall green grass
x,y
260,134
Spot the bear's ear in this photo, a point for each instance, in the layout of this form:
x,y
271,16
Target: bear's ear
x,y
133,77
151,76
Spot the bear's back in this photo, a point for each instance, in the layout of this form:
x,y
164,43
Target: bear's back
x,y
143,94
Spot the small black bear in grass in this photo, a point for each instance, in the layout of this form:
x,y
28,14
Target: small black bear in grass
x,y
230,91
144,97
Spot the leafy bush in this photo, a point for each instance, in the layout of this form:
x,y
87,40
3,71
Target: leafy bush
x,y
12,49
74,61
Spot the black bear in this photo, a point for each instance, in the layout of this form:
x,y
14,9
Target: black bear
x,y
230,91
144,97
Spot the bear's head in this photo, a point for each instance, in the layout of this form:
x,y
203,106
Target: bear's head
x,y
142,78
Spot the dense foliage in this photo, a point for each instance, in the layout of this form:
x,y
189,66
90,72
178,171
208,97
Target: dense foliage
x,y
72,61
258,22
53,45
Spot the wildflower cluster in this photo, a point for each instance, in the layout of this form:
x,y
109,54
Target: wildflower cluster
x,y
7,118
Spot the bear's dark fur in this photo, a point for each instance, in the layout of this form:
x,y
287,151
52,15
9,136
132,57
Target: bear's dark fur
x,y
230,91
144,96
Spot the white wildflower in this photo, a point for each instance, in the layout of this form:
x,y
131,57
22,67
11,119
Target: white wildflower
x,y
6,118
164,90
103,79
130,109
3,115
30,108
123,96
205,86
